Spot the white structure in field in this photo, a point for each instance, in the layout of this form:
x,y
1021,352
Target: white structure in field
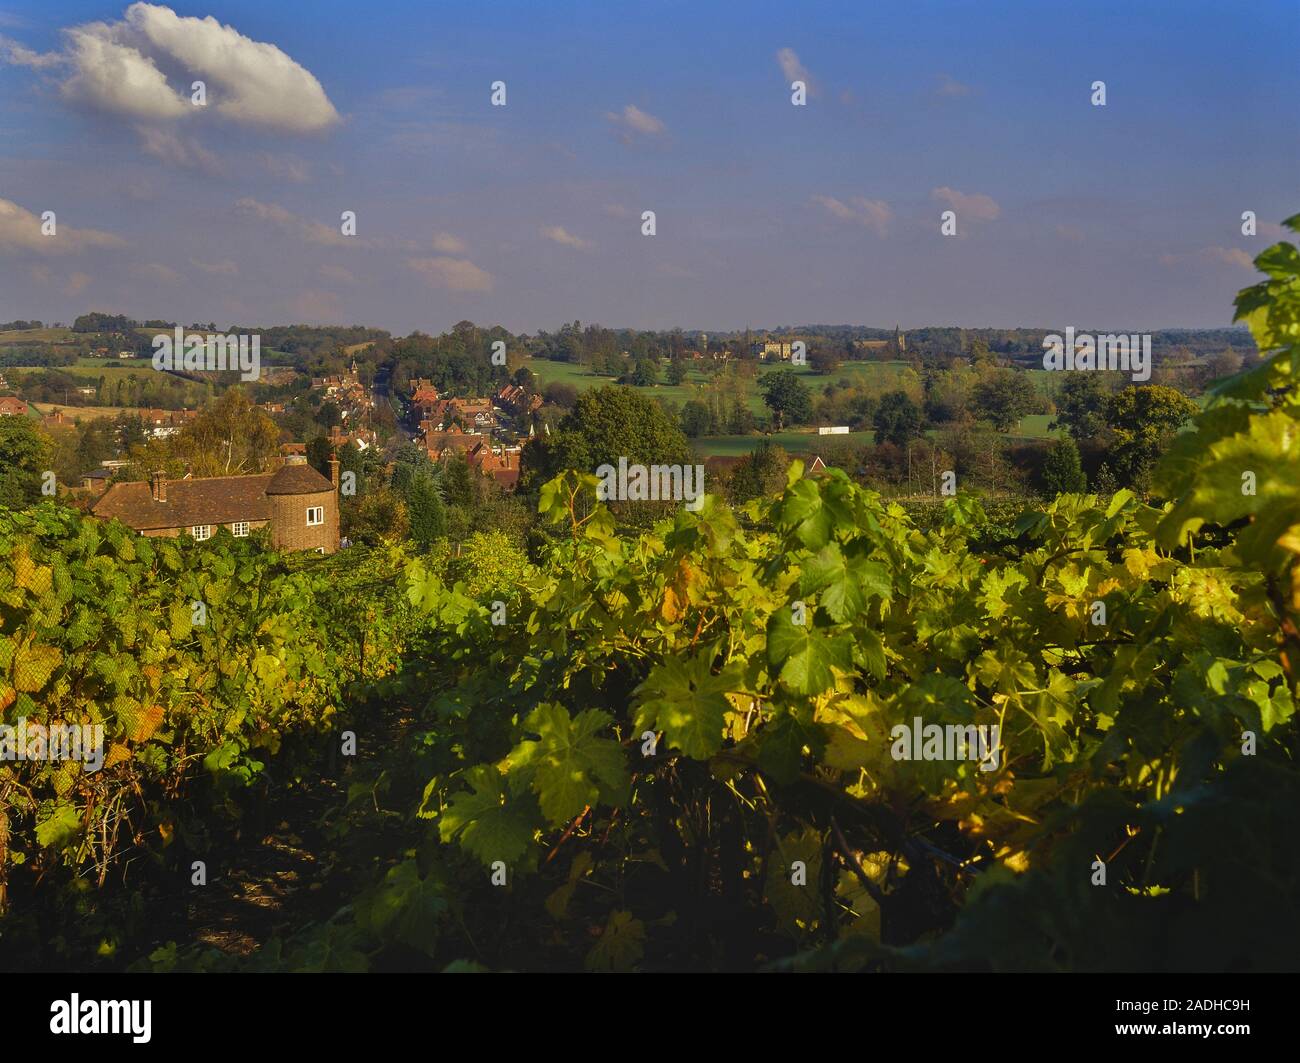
x,y
837,430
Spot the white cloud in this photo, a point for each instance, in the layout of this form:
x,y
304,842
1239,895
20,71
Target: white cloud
x,y
873,213
973,207
185,152
456,274
114,76
448,244
123,68
156,273
1220,256
793,69
20,229
950,87
560,235
632,122
312,231
16,54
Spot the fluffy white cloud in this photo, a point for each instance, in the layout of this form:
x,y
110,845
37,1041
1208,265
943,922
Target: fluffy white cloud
x,y
456,274
873,213
973,207
560,235
256,82
114,76
142,67
632,122
20,230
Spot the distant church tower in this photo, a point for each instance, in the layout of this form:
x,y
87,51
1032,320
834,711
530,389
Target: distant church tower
x,y
900,340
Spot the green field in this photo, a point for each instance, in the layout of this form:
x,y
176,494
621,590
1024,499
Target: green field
x,y
41,335
882,373
548,372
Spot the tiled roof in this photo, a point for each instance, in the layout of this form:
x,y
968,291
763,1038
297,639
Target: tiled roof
x,y
211,500
298,480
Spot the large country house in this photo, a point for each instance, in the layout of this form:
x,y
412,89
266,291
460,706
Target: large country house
x,y
298,503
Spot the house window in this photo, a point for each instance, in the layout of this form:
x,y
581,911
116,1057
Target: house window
x,y
201,531
320,549
239,529
315,515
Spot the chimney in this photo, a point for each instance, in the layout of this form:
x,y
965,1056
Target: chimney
x,y
334,471
158,486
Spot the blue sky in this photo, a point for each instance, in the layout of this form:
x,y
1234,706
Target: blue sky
x,y
1124,216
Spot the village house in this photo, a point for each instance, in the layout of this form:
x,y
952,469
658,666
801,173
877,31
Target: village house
x,y
11,407
160,424
333,384
500,463
470,413
364,438
517,400
298,503
443,444
96,481
423,397
779,351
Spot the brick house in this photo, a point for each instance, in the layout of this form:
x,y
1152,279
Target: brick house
x,y
297,502
11,407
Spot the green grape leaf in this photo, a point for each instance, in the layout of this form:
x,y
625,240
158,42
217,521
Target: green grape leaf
x,y
804,654
568,766
682,698
483,822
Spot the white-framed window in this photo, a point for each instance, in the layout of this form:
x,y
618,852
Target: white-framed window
x,y
201,531
315,515
239,529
